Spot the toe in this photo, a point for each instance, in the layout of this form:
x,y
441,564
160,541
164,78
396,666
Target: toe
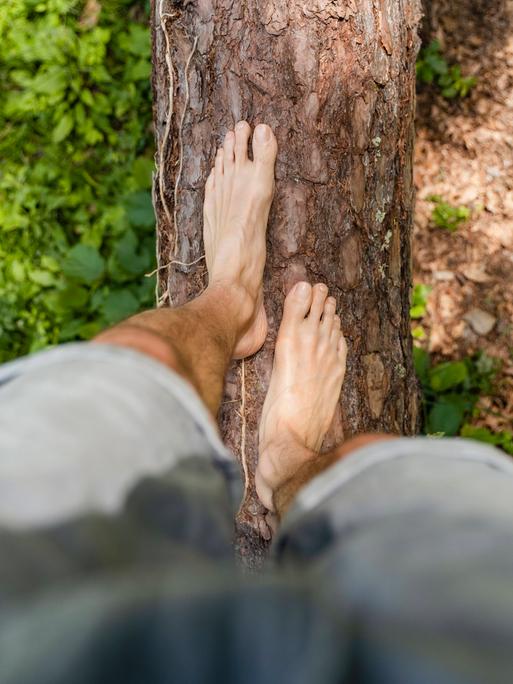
x,y
219,164
297,303
320,292
218,182
335,330
342,349
211,182
242,133
328,315
229,149
265,147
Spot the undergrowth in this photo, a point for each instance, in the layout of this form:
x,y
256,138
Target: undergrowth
x,y
76,219
451,389
433,68
447,216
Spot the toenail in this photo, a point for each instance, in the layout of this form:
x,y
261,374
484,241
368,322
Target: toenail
x,y
241,125
262,132
229,135
302,290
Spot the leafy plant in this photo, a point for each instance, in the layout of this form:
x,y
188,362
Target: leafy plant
x,y
447,216
419,301
503,440
452,389
418,309
432,67
76,221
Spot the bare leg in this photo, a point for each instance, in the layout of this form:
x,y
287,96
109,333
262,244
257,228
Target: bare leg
x,y
308,373
228,320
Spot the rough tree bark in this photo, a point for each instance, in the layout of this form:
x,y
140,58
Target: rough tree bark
x,y
336,81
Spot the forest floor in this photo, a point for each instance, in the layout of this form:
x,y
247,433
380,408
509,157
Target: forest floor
x,y
464,154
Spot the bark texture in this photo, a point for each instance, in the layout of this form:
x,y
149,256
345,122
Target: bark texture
x,y
336,81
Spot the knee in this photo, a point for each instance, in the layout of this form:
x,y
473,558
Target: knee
x,y
359,442
145,341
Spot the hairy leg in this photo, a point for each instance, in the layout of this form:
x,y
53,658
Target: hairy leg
x,y
308,372
314,464
228,320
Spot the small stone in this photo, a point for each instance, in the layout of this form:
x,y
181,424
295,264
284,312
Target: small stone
x,y
475,273
443,275
480,321
493,172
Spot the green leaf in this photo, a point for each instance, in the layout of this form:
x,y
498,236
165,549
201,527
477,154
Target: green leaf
x,y
90,329
418,333
139,209
139,71
69,330
419,301
83,264
480,434
43,278
18,270
448,375
142,172
71,298
446,417
450,93
63,128
127,255
422,363
119,305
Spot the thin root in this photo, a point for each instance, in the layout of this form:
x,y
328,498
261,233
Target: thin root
x,y
170,263
180,142
243,455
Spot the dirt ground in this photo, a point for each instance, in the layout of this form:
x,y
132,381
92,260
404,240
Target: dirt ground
x,y
464,153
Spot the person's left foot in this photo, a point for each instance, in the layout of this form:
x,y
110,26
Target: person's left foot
x,y
238,198
308,372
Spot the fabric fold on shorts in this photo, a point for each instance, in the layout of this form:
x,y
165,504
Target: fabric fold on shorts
x,y
335,479
82,424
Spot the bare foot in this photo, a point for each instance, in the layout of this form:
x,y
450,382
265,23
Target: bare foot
x,y
307,377
238,197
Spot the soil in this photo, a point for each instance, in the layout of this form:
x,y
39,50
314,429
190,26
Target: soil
x,y
464,153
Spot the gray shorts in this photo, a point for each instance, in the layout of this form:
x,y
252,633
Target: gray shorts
x,y
116,524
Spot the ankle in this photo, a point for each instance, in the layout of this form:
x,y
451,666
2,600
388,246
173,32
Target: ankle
x,y
236,301
281,472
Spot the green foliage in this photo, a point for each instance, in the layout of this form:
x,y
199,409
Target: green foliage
x,y
446,216
418,309
419,301
432,67
452,389
76,221
503,440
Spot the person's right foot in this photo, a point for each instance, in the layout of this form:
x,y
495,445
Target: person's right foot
x,y
308,372
238,198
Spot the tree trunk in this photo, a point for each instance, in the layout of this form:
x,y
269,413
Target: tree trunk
x,y
336,81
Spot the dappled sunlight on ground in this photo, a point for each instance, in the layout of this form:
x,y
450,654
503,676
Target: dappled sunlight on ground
x,y
464,154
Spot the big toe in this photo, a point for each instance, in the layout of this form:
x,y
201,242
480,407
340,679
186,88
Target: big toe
x,y
265,147
297,304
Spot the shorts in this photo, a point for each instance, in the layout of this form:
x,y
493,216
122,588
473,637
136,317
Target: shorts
x,y
116,545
